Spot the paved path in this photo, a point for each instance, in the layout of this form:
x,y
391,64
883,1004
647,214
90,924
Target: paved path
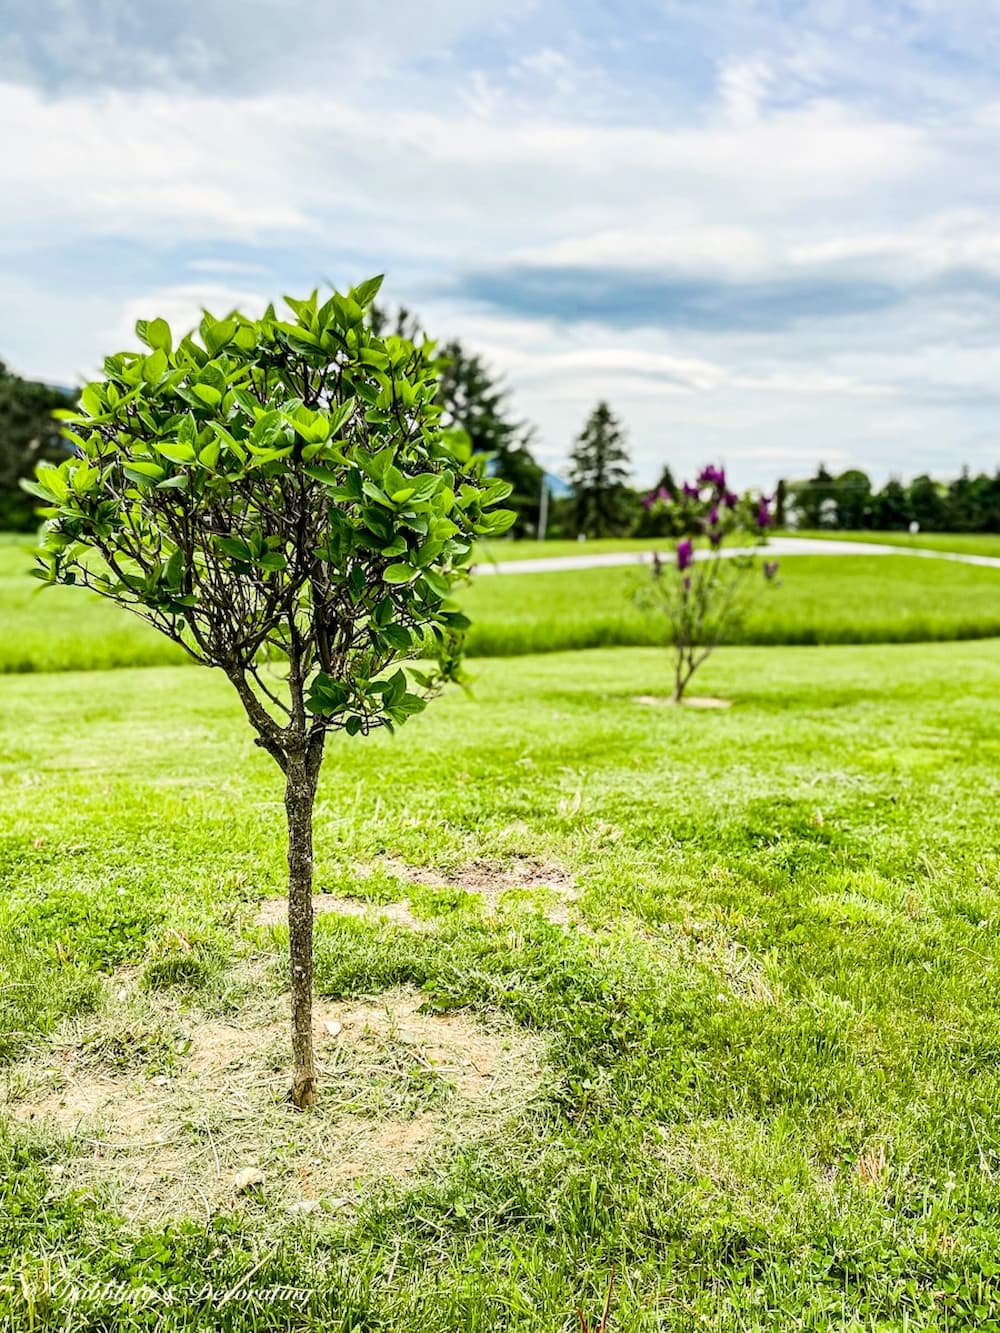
x,y
777,546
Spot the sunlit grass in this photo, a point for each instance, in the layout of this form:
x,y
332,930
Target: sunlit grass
x,y
823,599
772,1098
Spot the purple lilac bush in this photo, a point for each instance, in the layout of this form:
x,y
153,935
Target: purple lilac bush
x,y
703,590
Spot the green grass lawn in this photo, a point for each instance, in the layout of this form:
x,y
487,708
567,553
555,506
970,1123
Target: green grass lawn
x,y
821,600
766,1032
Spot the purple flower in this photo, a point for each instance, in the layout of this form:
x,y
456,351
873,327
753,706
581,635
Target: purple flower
x,y
685,554
763,512
647,501
770,569
691,492
712,476
713,517
715,538
730,499
664,494
687,582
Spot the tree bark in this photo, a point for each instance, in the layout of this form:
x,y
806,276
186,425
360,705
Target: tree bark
x,y
300,793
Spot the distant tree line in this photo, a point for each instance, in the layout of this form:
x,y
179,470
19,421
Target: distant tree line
x,y
601,501
967,504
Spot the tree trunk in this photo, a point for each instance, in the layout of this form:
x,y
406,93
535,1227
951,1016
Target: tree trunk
x,y
300,792
680,680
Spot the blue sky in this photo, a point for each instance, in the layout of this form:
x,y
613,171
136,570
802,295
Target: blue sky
x,y
765,230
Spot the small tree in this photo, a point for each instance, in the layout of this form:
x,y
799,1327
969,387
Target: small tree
x,y
599,469
700,591
281,500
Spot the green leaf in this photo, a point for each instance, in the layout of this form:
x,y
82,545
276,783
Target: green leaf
x,y
400,573
146,469
82,479
157,336
140,478
339,416
176,452
175,568
323,474
154,367
365,292
437,584
209,455
217,333
53,480
207,394
395,687
235,547
397,637
373,493
325,695
39,491
91,402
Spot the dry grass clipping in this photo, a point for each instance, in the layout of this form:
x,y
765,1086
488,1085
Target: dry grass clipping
x,y
396,1085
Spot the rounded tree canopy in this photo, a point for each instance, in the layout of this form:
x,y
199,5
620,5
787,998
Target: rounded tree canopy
x,y
277,490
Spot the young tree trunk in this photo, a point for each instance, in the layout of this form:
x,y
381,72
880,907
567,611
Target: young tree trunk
x,y
680,679
300,793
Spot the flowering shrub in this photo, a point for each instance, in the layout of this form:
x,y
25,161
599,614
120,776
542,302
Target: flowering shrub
x,y
702,590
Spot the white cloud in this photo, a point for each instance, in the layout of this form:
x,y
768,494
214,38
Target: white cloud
x,y
777,168
225,266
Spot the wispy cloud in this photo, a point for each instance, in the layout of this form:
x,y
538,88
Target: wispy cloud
x,y
763,229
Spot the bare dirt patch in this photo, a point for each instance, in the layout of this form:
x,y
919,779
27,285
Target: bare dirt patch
x,y
274,911
397,1086
484,878
689,701
491,880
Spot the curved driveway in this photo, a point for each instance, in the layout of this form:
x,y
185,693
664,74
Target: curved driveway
x,y
777,546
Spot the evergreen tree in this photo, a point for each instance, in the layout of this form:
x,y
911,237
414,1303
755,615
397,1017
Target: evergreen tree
x,y
968,503
927,504
892,509
599,469
854,500
403,324
28,436
666,482
780,499
473,400
988,499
